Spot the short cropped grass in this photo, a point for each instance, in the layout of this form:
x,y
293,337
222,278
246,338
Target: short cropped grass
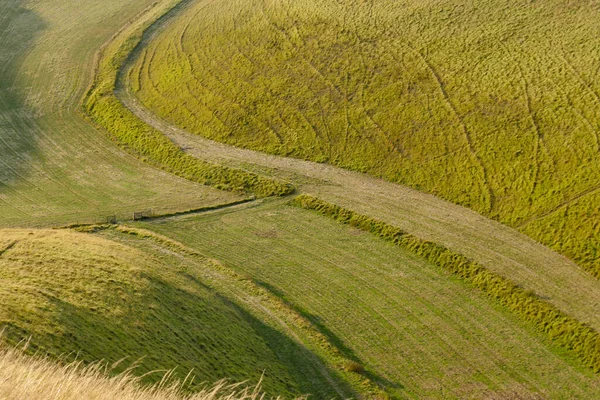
x,y
77,296
566,331
55,168
105,109
415,329
490,106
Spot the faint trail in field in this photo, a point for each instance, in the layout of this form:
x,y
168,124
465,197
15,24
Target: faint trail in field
x,y
498,247
466,133
577,75
560,206
594,94
539,142
567,98
393,147
8,247
317,133
284,34
525,261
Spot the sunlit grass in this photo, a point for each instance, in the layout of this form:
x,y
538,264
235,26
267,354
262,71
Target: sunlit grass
x,y
489,105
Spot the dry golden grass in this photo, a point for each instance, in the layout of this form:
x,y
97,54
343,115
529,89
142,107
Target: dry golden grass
x,y
37,378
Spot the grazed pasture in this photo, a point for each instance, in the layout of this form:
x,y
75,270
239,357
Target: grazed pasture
x,y
55,167
370,86
491,105
123,297
416,328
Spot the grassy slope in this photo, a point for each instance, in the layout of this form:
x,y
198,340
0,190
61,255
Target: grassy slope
x,y
501,100
76,293
55,167
418,330
104,108
501,249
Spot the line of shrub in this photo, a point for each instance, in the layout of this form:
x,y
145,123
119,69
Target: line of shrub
x,y
149,144
564,330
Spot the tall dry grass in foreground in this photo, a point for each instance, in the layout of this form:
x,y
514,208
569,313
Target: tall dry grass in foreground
x,y
36,378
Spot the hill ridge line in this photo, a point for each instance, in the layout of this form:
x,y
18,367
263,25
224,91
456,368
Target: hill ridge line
x,y
328,358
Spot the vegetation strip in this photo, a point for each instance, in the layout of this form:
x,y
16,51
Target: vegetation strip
x,y
564,330
147,143
199,210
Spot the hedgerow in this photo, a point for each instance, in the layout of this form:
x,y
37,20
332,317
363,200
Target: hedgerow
x,y
149,144
562,329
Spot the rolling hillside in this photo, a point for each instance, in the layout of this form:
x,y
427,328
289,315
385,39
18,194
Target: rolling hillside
x,y
420,332
79,296
481,118
491,105
55,167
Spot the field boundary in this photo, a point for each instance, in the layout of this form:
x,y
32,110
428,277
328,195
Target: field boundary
x,y
567,332
105,110
146,215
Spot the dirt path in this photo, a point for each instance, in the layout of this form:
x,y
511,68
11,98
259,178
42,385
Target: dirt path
x,y
500,248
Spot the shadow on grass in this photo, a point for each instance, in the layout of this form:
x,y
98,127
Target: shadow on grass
x,y
332,337
19,27
183,325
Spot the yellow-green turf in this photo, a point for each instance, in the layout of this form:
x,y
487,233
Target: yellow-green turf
x,y
419,331
491,104
56,168
121,297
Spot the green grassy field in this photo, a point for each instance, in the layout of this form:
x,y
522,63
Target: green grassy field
x,y
55,167
126,297
489,105
500,100
418,330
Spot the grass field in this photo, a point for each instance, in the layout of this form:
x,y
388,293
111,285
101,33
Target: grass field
x,y
93,298
55,167
485,95
417,329
502,101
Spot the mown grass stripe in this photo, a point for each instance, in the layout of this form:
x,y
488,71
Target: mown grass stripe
x,y
149,144
562,329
